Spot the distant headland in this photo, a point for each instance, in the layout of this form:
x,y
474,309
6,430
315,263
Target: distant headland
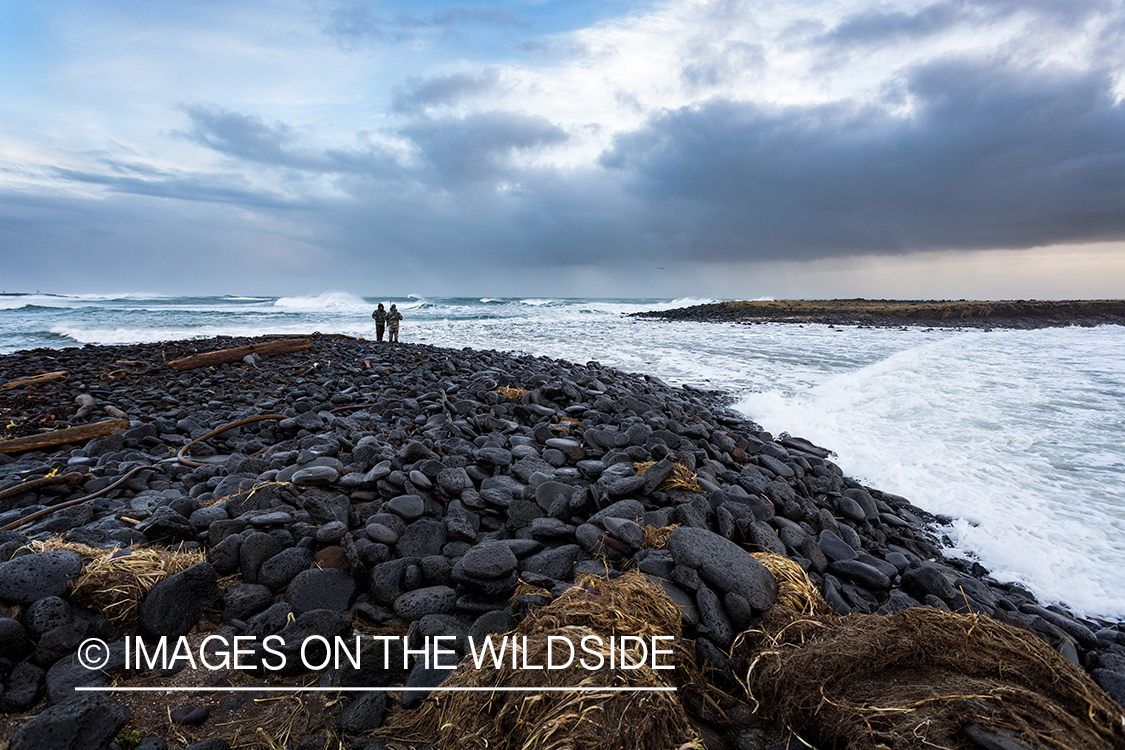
x,y
943,313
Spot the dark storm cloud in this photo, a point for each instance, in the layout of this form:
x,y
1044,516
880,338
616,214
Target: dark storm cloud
x,y
416,94
477,146
993,156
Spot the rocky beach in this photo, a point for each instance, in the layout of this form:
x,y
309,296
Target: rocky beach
x,y
333,487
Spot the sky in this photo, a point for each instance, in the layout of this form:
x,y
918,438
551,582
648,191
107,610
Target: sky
x,y
810,148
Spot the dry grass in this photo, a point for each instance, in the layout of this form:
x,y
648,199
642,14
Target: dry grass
x,y
681,478
795,592
567,720
657,538
115,581
527,589
512,393
259,487
915,679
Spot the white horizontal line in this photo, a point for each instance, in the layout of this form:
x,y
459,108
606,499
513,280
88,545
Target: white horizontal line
x,y
246,689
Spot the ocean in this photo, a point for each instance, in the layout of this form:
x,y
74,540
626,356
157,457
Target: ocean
x,y
1014,435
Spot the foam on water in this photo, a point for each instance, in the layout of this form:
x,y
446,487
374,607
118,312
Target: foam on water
x,y
995,431
337,301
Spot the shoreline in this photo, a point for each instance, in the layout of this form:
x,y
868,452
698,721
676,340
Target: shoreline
x,y
1016,314
387,465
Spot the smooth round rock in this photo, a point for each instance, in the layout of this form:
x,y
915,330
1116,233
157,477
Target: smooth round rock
x,y
432,600
493,559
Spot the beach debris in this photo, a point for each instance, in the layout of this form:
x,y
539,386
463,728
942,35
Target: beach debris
x,y
596,609
115,581
922,677
46,377
77,434
226,356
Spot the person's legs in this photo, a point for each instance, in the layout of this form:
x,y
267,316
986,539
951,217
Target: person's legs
x,y
379,332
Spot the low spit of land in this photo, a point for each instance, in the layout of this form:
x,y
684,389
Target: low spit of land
x,y
944,313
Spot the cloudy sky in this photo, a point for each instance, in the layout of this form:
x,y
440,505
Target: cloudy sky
x,y
802,148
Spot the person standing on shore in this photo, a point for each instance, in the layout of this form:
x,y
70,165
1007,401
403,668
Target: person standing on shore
x,y
393,318
380,316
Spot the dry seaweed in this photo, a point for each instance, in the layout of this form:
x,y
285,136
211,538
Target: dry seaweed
x,y
681,478
915,679
591,718
115,581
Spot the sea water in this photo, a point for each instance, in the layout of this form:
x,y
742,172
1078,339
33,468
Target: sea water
x,y
1014,435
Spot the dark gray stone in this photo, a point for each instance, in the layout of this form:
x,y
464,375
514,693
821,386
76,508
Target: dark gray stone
x,y
432,600
724,565
863,574
493,559
14,641
926,579
626,530
244,600
426,536
428,672
279,570
226,555
713,618
28,578
409,507
1076,630
89,720
364,714
23,687
315,476
328,588
174,605
556,563
1113,683
835,548
255,550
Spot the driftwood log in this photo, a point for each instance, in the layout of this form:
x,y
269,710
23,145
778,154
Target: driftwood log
x,y
46,377
224,356
62,437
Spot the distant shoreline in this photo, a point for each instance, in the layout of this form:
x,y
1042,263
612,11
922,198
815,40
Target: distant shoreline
x,y
1019,314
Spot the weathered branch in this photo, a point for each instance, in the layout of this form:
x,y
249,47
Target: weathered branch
x,y
224,356
73,477
46,377
62,437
